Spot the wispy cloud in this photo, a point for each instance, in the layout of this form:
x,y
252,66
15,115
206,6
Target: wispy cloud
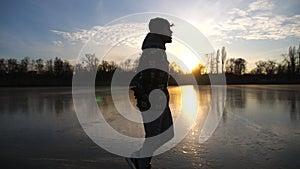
x,y
261,5
122,40
257,22
120,34
57,43
79,36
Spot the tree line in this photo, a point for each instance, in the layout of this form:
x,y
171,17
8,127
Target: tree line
x,y
59,72
59,67
289,65
38,66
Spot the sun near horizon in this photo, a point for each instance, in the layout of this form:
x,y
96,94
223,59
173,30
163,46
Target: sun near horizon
x,y
182,55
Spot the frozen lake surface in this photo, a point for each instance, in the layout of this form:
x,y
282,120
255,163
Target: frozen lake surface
x,y
260,128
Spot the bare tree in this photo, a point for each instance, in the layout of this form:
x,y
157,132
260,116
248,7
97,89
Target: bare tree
x,y
58,66
2,66
112,66
199,69
129,64
281,69
298,51
31,65
239,66
224,54
24,64
12,65
212,62
49,66
217,61
175,68
39,65
271,67
260,68
266,67
292,55
230,65
91,62
104,66
78,67
67,67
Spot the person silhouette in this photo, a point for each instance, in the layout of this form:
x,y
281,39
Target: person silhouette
x,y
153,74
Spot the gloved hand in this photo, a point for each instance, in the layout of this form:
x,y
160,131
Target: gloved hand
x,y
143,102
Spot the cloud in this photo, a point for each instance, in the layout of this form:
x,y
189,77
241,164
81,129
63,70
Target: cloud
x,y
80,36
57,43
129,34
257,22
112,43
261,5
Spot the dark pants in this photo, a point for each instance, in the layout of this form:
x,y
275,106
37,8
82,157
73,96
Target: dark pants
x,y
155,128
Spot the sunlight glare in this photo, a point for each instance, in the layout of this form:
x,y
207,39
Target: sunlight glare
x,y
189,96
183,56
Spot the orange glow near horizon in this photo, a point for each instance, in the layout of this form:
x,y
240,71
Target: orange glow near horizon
x,y
183,56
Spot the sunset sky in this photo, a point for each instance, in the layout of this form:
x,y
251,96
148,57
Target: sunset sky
x,y
251,29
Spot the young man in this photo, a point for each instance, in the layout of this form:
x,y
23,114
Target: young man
x,y
153,73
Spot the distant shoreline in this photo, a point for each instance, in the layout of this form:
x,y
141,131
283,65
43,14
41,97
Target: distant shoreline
x,y
66,81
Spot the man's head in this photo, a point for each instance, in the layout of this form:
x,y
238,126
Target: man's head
x,y
161,26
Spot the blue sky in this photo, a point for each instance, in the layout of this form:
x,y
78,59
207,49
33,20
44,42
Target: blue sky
x,y
252,29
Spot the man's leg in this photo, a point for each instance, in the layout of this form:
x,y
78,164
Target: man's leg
x,y
151,129
131,162
155,128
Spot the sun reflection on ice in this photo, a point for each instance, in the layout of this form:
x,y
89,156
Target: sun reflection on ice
x,y
189,102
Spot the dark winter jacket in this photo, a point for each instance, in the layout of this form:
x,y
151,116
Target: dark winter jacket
x,y
153,69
